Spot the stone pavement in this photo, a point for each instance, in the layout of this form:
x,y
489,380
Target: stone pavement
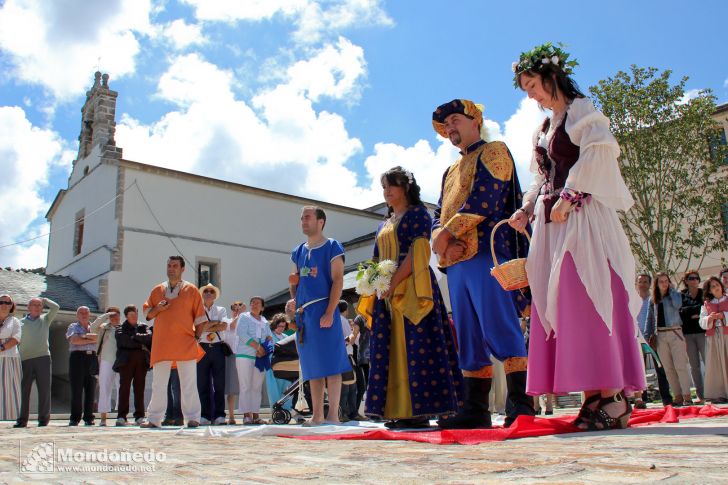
x,y
693,451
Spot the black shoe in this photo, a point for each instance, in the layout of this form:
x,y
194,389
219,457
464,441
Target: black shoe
x,y
408,423
20,424
474,414
518,402
73,423
89,423
549,413
168,422
42,423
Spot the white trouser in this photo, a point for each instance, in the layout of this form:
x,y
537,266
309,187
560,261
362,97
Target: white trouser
x,y
250,380
190,399
108,385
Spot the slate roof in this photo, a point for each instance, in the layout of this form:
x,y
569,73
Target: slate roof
x,y
22,286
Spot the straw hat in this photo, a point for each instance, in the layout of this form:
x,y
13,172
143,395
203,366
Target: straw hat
x,y
210,287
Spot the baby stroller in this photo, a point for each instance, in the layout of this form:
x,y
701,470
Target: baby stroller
x,y
284,364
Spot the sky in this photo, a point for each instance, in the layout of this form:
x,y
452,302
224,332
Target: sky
x,y
308,97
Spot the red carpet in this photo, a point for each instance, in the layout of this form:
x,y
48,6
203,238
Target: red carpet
x,y
524,427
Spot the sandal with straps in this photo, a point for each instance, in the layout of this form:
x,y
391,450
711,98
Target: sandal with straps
x,y
586,413
602,421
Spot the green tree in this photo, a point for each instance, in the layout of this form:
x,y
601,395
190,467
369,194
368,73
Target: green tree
x,y
673,164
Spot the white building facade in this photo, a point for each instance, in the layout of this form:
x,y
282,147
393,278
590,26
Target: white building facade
x,y
117,222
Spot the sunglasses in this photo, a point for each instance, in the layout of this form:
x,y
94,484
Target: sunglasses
x,y
209,291
693,278
3,302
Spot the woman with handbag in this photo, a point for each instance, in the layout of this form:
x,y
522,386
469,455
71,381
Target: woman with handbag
x,y
580,267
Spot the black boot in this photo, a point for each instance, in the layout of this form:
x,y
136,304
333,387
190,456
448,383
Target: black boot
x,y
519,403
474,413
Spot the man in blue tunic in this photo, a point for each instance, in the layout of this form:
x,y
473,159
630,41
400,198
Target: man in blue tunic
x,y
316,284
479,190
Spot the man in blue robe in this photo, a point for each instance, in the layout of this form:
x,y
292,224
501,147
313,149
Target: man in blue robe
x,y
480,189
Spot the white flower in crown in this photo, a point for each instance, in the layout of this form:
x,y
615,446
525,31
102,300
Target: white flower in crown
x,y
380,285
514,67
387,267
545,60
555,60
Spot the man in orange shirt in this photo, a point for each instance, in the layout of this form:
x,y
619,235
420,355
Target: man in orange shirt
x,y
178,313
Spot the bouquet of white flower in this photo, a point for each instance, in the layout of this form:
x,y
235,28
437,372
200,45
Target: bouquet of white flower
x,y
375,277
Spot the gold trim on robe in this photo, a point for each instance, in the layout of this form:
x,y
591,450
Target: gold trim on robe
x,y
457,188
413,296
399,400
485,372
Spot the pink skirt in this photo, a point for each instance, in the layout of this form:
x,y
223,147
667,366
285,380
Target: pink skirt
x,y
584,357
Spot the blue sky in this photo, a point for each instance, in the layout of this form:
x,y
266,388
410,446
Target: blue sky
x,y
311,97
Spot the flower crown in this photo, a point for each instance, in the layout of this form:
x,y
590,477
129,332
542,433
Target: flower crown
x,y
541,56
410,177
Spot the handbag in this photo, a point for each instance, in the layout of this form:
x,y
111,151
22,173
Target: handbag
x,y
226,350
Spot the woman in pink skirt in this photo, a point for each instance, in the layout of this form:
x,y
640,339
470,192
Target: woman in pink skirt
x,y
580,267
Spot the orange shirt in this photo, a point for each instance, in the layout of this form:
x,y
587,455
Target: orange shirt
x,y
174,328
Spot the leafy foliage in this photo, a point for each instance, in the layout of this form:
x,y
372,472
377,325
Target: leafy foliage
x,y
672,162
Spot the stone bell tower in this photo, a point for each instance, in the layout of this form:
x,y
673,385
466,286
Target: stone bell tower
x,y
98,122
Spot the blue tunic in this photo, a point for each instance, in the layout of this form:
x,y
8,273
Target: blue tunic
x,y
323,351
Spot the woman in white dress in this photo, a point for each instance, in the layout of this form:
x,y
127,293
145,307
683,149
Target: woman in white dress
x,y
10,368
714,319
580,267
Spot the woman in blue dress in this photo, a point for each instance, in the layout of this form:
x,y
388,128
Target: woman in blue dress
x,y
414,370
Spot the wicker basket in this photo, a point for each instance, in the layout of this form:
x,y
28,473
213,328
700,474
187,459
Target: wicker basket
x,y
511,275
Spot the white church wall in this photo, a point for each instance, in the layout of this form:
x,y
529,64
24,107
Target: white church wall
x,y
99,232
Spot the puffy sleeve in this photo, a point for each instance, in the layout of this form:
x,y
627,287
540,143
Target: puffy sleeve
x,y
530,196
597,170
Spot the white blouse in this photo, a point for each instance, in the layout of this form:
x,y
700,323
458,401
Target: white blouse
x,y
10,329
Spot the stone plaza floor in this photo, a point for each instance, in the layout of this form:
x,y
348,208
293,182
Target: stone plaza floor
x,y
692,451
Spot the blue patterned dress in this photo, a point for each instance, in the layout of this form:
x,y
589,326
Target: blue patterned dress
x,y
414,367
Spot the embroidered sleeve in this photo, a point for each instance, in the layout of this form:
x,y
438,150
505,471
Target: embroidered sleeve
x,y
488,200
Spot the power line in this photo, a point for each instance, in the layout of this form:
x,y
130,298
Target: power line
x,y
149,208
16,243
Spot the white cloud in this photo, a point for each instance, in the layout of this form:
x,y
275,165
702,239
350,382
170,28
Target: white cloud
x,y
427,165
335,17
335,71
312,18
191,79
279,131
27,154
182,35
57,44
518,135
690,94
